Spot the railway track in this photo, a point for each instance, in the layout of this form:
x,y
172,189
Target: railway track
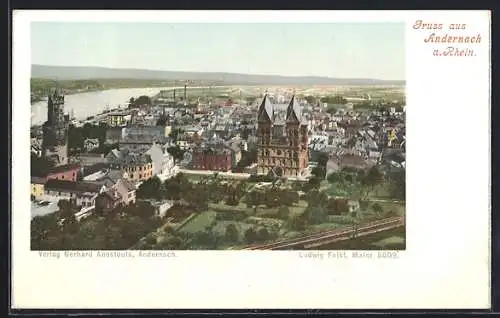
x,y
325,237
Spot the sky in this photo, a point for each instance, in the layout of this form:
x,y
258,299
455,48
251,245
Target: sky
x,y
343,50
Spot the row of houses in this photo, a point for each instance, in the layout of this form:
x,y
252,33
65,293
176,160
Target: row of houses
x,y
84,194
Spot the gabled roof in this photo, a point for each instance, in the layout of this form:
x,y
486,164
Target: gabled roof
x,y
265,110
293,112
71,186
65,168
111,195
94,168
127,184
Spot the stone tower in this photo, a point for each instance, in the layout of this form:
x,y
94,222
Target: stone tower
x,y
55,130
283,140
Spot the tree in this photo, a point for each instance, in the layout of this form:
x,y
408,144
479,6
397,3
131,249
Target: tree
x,y
283,213
252,200
262,234
272,198
398,185
331,109
40,166
177,187
250,235
314,183
198,197
333,177
337,99
64,208
140,101
377,208
319,172
310,99
323,158
150,189
232,235
316,214
176,152
142,210
374,177
297,223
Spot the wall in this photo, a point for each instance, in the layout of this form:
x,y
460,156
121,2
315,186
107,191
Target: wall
x,y
70,175
139,173
212,161
86,200
37,190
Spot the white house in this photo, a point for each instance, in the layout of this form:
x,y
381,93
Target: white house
x,y
82,194
163,162
126,190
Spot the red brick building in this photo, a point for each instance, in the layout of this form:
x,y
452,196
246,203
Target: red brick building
x,y
215,158
67,172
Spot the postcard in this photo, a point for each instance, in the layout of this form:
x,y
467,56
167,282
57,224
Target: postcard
x,y
262,156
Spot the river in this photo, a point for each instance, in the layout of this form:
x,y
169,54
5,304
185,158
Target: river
x,y
88,104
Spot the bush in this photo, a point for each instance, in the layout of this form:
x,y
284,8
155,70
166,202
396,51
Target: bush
x,y
260,178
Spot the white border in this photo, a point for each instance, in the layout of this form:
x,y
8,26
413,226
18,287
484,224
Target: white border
x,y
446,264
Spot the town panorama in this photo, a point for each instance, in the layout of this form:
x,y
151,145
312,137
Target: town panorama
x,y
222,167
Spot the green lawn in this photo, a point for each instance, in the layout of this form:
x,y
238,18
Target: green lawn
x,y
199,222
390,241
399,208
241,207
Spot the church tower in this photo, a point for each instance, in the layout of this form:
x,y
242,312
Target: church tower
x,y
283,140
293,119
265,117
55,130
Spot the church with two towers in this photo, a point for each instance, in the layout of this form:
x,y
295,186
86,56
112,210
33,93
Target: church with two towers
x,y
282,139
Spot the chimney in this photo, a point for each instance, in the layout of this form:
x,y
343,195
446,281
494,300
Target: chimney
x,y
174,95
185,93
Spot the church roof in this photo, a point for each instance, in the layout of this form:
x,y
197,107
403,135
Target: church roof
x,y
293,112
265,109
279,114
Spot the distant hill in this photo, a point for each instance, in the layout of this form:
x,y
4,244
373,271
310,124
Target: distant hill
x,y
80,73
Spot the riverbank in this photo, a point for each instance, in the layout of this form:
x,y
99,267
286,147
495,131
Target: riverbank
x,y
41,88
83,105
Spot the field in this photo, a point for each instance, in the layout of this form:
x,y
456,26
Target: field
x,y
199,222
